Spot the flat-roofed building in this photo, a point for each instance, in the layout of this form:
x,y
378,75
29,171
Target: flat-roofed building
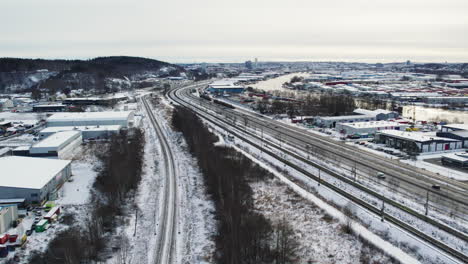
x,y
454,127
332,121
34,179
8,215
58,144
87,132
416,142
121,118
455,159
369,127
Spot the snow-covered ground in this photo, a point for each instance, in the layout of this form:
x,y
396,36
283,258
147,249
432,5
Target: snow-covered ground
x,y
73,198
398,237
321,237
196,223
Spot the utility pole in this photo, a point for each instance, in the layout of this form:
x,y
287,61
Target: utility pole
x,y
426,206
319,178
382,211
353,171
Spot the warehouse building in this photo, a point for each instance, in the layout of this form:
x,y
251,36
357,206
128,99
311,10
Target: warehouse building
x,y
456,160
446,100
369,127
380,114
332,121
58,144
454,127
461,135
87,132
34,179
416,142
225,86
49,108
123,118
8,215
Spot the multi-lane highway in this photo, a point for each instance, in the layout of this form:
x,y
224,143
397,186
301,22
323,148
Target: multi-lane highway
x,y
417,184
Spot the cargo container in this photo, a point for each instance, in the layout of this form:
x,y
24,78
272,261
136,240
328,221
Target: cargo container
x,y
41,226
4,239
3,251
13,238
54,211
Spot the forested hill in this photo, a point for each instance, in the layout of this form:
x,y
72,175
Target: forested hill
x,y
24,74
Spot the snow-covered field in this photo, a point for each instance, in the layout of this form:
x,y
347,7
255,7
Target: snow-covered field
x,y
321,237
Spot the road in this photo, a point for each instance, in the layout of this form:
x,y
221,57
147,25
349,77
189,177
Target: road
x,y
165,248
295,138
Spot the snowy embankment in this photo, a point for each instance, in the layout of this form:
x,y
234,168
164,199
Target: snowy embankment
x,y
195,224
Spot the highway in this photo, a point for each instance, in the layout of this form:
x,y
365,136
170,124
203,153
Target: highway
x,y
165,249
298,139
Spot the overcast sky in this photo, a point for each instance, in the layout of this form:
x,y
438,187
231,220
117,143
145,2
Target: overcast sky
x,y
237,30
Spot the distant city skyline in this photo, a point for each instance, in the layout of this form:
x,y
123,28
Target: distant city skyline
x,y
234,31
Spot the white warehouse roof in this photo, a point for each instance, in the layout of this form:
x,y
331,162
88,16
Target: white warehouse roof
x,y
373,124
415,136
27,172
89,116
57,139
457,126
81,128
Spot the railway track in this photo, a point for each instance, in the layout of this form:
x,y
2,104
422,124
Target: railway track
x,y
165,248
390,218
451,200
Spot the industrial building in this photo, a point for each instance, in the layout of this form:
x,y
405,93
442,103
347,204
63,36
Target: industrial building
x,y
454,127
380,114
455,159
332,121
34,179
94,100
123,118
369,127
87,132
446,100
57,144
225,86
49,108
8,215
416,142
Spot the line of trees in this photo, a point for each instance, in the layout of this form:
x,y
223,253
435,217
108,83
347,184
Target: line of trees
x,y
244,235
322,104
117,180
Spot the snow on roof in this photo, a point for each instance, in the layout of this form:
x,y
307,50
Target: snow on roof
x,y
463,157
50,105
57,139
5,150
372,124
415,136
457,126
347,117
27,172
22,148
89,116
81,128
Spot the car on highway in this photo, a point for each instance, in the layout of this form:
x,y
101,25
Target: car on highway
x,y
436,187
381,175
